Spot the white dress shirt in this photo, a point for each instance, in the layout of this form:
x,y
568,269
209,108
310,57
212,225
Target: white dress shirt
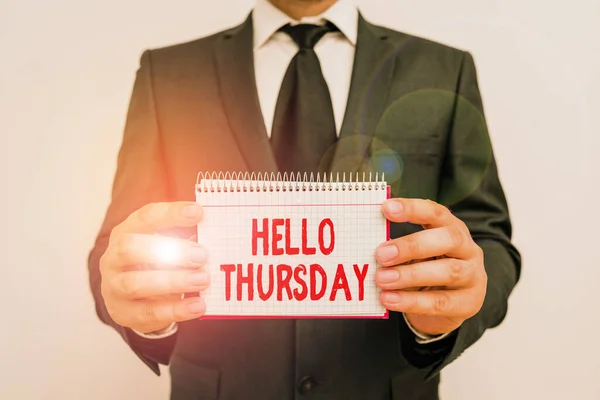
x,y
273,52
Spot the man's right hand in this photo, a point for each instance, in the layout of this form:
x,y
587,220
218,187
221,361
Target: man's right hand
x,y
144,274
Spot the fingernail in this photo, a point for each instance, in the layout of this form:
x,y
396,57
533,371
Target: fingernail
x,y
196,307
197,254
387,275
387,253
191,211
198,279
393,207
390,297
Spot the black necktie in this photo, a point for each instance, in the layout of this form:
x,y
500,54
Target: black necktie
x,y
304,125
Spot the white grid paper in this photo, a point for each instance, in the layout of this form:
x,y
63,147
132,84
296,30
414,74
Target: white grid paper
x,y
226,232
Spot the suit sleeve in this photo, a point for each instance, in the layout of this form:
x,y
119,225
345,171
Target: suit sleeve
x,y
471,189
140,179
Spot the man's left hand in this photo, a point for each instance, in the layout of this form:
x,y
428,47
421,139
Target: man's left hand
x,y
436,277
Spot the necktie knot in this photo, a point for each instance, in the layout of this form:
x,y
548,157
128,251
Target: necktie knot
x,y
307,36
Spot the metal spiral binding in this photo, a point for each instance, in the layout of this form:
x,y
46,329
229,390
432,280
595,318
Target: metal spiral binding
x,y
278,182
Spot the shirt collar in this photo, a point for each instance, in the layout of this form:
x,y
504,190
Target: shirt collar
x,y
267,19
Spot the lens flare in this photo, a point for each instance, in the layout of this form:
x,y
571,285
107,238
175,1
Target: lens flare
x,y
389,162
428,126
167,251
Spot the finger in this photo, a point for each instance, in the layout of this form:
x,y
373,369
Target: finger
x,y
418,211
447,272
163,312
156,216
451,241
154,250
149,283
443,303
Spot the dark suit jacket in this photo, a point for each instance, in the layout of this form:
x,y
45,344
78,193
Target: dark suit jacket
x,y
414,111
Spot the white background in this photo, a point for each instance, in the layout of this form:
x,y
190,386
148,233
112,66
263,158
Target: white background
x,y
66,72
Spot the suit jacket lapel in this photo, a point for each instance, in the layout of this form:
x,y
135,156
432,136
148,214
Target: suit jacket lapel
x,y
371,79
234,59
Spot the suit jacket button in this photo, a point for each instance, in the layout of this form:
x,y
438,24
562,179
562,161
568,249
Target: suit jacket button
x,y
306,384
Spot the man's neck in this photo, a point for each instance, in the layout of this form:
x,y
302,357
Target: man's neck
x,y
297,9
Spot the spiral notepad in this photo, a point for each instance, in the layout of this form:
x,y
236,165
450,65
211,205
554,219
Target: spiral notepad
x,y
294,246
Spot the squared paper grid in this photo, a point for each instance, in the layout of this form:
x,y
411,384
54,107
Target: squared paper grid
x,y
226,232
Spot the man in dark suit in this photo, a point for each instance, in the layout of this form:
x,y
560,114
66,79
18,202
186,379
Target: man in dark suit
x,y
308,86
